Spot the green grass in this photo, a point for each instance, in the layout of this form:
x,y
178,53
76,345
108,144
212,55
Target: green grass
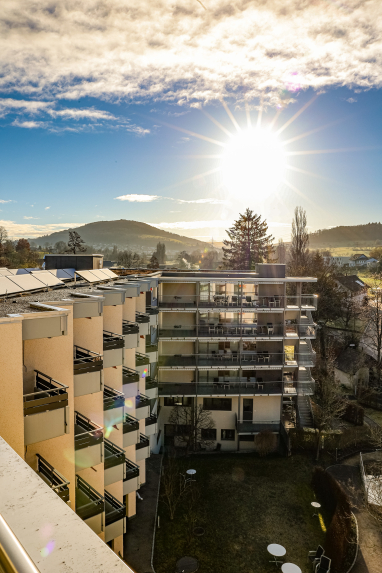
x,y
246,503
375,415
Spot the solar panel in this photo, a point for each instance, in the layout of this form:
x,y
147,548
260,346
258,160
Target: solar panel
x,y
70,272
61,274
8,287
100,274
21,272
33,270
4,272
47,278
87,276
110,274
26,282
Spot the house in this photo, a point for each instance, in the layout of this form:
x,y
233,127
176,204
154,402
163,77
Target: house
x,y
358,260
372,262
352,285
351,368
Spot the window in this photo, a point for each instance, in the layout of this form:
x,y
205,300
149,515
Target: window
x,y
217,404
208,434
179,401
246,438
227,435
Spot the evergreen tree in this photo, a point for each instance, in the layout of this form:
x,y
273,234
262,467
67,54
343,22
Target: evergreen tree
x,y
248,242
75,243
153,263
161,253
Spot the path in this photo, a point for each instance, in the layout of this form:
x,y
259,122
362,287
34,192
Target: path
x,y
137,542
369,558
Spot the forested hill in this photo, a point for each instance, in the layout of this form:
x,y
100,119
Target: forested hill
x,y
124,234
338,236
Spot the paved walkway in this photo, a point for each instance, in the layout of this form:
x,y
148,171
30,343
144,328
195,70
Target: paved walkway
x,y
369,558
137,542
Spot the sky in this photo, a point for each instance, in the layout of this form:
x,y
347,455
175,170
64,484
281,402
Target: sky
x,y
182,114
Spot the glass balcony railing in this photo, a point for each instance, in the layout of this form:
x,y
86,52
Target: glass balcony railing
x,y
53,478
224,358
223,386
86,361
111,340
255,426
89,502
231,301
129,375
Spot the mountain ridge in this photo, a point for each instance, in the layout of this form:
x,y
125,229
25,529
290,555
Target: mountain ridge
x,y
345,234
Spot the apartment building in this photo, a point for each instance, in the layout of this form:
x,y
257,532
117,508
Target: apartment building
x,y
237,343
77,399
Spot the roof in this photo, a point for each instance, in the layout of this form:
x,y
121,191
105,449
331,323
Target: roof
x,y
350,360
357,257
352,283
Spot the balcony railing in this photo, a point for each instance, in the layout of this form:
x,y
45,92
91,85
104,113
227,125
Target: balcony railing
x,y
152,310
151,420
141,359
229,386
141,401
144,442
129,327
53,478
132,470
142,318
86,361
114,456
242,359
231,329
254,426
129,375
150,346
114,509
86,432
130,424
111,340
150,383
112,398
89,502
238,301
48,395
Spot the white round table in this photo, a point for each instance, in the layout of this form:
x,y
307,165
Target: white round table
x,y
191,472
277,551
290,568
316,505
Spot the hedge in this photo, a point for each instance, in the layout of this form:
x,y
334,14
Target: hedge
x,y
334,499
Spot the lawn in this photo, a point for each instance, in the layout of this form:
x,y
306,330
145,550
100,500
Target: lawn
x,y
375,415
245,504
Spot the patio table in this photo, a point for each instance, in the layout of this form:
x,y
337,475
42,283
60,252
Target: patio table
x,y
276,551
290,568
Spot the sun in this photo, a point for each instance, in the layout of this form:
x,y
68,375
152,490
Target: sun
x,y
253,162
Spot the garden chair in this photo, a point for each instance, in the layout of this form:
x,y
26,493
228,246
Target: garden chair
x,y
323,566
315,556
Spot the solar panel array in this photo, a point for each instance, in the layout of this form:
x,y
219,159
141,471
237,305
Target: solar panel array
x,y
96,275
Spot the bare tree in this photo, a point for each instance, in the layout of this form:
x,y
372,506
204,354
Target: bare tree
x,y
153,263
174,485
75,243
281,252
300,240
193,426
3,236
372,314
265,442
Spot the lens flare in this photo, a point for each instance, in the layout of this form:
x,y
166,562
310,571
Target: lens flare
x,y
144,373
47,550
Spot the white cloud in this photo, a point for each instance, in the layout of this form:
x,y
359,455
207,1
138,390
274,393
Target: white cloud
x,y
8,105
30,217
133,198
46,208
351,100
6,201
30,124
201,201
182,53
77,113
30,230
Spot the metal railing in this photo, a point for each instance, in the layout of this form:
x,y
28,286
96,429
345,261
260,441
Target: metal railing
x,y
234,358
129,327
151,420
86,361
88,501
142,318
129,375
152,310
252,426
228,386
132,470
48,395
111,340
141,359
13,557
86,432
250,300
150,383
112,398
130,424
142,401
55,480
114,456
144,442
114,509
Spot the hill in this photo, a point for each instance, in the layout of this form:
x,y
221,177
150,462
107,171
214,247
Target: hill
x,y
347,235
125,234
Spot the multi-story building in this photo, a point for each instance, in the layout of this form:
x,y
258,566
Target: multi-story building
x,y
77,401
237,343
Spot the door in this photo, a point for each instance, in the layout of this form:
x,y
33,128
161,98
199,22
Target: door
x,y
248,409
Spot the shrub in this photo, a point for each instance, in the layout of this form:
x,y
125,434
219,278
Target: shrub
x,y
306,438
354,414
265,442
336,502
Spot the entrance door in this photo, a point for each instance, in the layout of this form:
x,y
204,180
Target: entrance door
x,y
248,409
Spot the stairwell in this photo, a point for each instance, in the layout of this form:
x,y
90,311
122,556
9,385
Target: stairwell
x,y
305,417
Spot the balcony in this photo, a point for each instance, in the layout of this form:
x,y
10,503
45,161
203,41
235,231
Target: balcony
x,y
113,345
256,426
153,312
142,449
130,332
131,481
53,478
87,366
144,322
151,425
130,431
151,385
142,407
142,363
130,381
114,463
246,359
88,442
223,386
115,519
113,406
90,505
151,350
250,302
225,331
46,413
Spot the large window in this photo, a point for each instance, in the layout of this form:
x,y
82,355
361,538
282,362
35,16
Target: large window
x,y
246,438
179,401
208,434
217,404
227,435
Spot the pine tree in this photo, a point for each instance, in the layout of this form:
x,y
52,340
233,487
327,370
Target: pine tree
x,y
75,243
248,242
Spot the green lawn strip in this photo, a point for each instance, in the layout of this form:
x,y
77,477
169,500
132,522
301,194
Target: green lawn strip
x,y
246,504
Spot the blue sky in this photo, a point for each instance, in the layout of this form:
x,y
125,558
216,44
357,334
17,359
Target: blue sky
x,y
78,147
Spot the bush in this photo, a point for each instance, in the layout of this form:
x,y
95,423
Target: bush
x,y
306,438
354,414
265,442
331,495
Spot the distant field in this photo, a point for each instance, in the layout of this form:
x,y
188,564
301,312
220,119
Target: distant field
x,y
346,251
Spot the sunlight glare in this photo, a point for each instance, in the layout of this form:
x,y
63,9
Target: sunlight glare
x,y
253,161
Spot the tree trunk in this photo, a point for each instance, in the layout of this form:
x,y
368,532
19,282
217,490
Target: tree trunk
x,y
318,445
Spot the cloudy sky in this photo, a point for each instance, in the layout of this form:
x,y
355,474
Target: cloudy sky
x,y
141,109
